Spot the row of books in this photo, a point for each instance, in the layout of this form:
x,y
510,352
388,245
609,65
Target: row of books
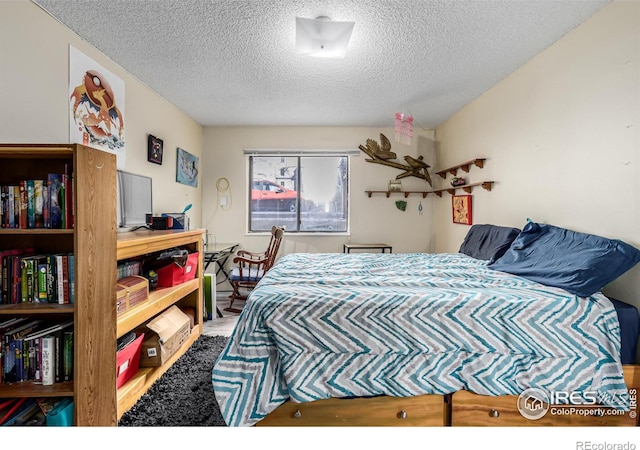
x,y
36,350
38,203
44,411
28,277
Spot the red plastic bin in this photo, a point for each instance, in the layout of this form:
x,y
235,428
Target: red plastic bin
x,y
128,360
173,274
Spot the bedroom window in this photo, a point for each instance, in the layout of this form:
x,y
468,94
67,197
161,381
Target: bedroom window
x,y
305,193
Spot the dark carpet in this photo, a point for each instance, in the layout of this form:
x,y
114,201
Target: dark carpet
x,y
183,395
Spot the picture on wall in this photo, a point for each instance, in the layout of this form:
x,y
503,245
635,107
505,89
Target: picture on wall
x,y
154,149
96,106
187,168
461,208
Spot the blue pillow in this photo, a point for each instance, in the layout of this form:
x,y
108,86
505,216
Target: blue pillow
x,y
488,242
580,263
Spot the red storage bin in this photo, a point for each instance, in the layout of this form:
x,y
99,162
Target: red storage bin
x,y
173,274
128,360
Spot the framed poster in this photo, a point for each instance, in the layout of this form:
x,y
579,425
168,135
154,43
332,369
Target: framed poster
x,y
187,168
154,150
461,209
96,106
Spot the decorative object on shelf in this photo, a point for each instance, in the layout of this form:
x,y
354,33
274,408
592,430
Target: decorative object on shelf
x,y
381,154
404,128
401,205
154,150
461,209
187,168
395,185
457,181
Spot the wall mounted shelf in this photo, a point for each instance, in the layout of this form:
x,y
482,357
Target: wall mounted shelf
x,y
405,193
464,166
487,185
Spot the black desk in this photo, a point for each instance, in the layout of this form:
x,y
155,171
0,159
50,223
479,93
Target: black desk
x,y
219,253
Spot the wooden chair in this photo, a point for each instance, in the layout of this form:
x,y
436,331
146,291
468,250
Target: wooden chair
x,y
251,267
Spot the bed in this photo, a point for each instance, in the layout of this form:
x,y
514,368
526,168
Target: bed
x,y
416,339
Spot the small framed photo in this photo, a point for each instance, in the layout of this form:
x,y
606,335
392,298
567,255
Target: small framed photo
x,y
154,150
461,208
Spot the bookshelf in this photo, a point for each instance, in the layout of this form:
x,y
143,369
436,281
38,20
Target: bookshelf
x,y
92,241
185,295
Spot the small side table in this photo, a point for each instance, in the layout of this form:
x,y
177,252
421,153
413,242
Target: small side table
x,y
351,246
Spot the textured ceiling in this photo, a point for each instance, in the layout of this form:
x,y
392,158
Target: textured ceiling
x,y
231,62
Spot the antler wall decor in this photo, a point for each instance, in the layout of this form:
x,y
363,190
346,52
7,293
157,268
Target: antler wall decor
x,y
381,154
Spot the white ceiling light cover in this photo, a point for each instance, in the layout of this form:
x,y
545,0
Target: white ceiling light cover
x,y
322,37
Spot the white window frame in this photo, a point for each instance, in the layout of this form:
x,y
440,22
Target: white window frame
x,y
349,153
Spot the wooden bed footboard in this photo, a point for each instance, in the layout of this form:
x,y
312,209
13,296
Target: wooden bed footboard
x,y
459,409
422,410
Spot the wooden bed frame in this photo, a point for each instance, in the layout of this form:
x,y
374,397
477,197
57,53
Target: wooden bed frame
x,y
461,408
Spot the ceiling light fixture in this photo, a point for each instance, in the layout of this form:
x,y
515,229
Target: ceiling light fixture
x,y
322,37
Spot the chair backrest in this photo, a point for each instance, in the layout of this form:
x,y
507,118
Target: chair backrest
x,y
274,246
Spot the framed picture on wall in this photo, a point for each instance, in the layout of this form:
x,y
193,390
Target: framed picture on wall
x,y
187,168
154,150
461,209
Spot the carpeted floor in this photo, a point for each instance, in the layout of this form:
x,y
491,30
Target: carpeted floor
x,y
183,395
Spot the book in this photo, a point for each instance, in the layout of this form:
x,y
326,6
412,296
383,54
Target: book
x,y
38,200
16,210
67,355
48,360
27,274
52,275
48,329
42,276
46,210
3,206
59,258
22,203
54,182
31,205
65,279
24,414
12,409
72,278
11,223
13,350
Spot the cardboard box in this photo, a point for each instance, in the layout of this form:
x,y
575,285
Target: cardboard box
x,y
173,274
168,332
131,291
128,360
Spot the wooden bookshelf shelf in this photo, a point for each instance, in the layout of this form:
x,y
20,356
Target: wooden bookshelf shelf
x,y
93,243
188,294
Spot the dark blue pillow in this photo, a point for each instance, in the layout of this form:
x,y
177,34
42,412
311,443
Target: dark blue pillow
x,y
577,262
488,242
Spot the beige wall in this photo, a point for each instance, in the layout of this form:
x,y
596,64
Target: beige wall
x,y
34,83
562,140
374,219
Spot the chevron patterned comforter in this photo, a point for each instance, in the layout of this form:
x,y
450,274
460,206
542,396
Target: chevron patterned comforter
x,y
356,325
